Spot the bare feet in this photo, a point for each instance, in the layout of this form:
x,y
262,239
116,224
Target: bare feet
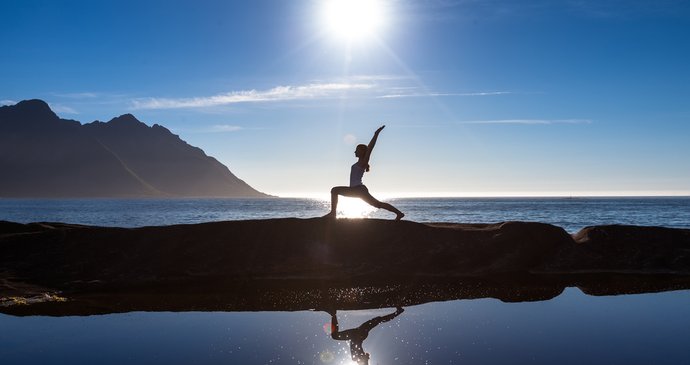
x,y
399,215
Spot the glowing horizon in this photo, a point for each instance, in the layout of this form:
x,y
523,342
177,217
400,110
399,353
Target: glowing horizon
x,y
406,195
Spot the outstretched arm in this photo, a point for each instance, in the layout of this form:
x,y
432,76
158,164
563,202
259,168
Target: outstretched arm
x,y
372,143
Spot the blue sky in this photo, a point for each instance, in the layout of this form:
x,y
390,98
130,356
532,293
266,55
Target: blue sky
x,y
479,97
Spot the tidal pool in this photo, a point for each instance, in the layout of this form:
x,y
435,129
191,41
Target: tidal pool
x,y
572,328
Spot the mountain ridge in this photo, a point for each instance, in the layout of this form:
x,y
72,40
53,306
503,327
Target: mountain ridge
x,y
45,156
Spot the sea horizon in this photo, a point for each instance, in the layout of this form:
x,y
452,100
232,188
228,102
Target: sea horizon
x,y
570,213
384,196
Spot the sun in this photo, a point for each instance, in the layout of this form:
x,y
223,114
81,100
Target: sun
x,y
353,20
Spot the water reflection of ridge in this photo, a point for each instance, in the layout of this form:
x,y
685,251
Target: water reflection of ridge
x,y
284,296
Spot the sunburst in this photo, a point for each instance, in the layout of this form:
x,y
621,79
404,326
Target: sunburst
x,y
353,20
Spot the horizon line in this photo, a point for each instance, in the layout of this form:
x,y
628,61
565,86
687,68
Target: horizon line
x,y
413,195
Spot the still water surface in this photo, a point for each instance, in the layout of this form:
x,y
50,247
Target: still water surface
x,y
572,328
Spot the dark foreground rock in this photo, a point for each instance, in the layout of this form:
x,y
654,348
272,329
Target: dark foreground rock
x,y
306,263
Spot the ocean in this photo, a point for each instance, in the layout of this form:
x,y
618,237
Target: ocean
x,y
570,213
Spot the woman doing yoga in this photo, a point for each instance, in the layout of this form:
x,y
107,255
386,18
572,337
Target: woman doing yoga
x,y
357,188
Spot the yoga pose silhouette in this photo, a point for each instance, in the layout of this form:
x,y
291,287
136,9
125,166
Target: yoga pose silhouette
x,y
356,336
357,188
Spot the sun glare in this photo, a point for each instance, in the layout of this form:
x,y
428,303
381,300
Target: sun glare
x,y
354,208
353,19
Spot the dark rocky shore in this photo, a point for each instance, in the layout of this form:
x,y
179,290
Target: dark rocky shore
x,y
292,264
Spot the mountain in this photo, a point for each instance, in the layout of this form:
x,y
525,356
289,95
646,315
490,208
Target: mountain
x,y
44,156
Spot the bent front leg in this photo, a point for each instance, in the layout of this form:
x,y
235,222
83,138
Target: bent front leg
x,y
338,190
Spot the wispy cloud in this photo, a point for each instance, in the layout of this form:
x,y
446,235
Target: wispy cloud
x,y
378,77
216,128
276,94
84,95
473,10
369,86
59,108
427,95
622,9
221,128
7,102
497,10
529,121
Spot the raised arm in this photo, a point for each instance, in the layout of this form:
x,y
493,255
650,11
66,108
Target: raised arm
x,y
372,143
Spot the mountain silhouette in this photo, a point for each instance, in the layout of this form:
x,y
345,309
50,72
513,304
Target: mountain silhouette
x,y
42,155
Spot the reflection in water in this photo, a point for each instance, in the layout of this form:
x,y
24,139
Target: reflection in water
x,y
573,328
285,296
356,336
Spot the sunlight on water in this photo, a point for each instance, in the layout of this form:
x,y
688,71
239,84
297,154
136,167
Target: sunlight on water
x,y
354,208
570,213
326,357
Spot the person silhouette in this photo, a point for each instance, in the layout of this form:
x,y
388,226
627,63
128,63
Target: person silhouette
x,y
356,336
357,189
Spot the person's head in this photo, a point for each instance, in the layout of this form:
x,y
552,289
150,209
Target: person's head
x,y
361,150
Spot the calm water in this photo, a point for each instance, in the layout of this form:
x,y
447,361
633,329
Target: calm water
x,y
571,214
572,328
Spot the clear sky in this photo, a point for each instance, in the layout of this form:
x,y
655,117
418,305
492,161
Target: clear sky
x,y
479,97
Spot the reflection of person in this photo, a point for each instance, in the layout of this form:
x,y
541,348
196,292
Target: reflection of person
x,y
357,188
356,336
